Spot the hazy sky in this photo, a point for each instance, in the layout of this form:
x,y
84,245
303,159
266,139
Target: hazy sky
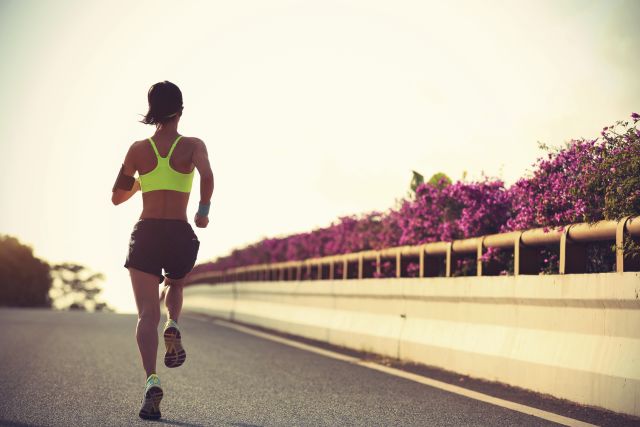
x,y
310,110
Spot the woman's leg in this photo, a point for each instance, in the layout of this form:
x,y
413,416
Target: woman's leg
x,y
145,289
175,355
173,298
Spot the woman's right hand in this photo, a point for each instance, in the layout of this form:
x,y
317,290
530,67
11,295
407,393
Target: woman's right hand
x,y
201,221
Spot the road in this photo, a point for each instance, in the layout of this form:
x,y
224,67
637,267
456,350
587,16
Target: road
x,y
75,368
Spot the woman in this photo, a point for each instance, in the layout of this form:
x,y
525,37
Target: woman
x,y
162,238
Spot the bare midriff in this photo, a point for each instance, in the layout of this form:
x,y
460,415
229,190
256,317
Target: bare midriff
x,y
166,204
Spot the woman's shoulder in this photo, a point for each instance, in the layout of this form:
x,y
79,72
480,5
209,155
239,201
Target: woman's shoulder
x,y
137,144
192,140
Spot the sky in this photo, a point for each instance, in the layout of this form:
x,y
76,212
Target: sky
x,y
310,110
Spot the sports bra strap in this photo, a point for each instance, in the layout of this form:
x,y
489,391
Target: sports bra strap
x,y
173,146
155,149
153,145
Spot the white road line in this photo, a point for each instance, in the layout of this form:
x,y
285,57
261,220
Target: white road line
x,y
289,342
539,413
550,416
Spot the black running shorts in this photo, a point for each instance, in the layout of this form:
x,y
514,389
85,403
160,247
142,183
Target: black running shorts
x,y
168,244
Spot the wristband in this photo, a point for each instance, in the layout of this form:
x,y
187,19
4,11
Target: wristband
x,y
203,209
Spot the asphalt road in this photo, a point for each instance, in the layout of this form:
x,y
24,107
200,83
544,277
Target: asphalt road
x,y
74,368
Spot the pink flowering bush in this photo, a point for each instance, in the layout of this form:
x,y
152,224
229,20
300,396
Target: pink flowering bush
x,y
586,180
616,175
555,194
456,211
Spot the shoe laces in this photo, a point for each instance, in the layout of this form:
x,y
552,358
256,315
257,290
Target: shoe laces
x,y
152,380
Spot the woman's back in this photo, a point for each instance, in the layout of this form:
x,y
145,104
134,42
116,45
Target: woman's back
x,y
168,204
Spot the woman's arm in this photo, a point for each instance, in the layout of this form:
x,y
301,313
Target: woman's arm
x,y
120,195
201,162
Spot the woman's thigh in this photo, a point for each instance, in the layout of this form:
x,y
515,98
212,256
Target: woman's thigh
x,y
145,290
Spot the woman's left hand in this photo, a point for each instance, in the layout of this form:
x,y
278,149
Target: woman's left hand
x,y
201,221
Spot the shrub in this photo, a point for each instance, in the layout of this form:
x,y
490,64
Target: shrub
x,y
585,180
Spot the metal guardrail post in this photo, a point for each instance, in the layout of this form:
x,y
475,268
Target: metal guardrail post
x,y
421,257
345,269
331,269
449,261
378,263
479,250
624,262
360,267
620,237
398,264
573,256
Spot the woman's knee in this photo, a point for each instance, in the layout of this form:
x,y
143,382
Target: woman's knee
x,y
175,284
150,314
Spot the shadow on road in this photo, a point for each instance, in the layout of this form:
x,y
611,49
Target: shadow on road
x,y
179,423
15,424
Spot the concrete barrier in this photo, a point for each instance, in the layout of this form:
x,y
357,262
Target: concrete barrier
x,y
575,337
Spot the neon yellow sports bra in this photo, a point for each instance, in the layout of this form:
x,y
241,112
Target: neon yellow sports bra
x,y
164,177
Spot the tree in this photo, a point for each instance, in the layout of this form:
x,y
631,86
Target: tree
x,y
75,287
24,279
440,180
416,180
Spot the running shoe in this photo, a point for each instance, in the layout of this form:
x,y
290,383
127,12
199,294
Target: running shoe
x,y
151,400
175,354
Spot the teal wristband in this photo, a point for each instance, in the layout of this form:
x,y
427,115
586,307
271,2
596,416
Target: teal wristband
x,y
203,209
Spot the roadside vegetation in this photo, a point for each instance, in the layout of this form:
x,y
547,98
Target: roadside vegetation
x,y
581,181
28,281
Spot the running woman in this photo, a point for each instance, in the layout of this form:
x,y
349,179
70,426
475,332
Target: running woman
x,y
162,238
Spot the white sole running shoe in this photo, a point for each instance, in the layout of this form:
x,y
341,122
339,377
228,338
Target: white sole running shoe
x,y
175,354
150,409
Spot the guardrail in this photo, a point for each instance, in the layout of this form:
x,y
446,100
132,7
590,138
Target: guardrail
x,y
439,257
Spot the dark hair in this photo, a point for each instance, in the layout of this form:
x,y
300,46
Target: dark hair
x,y
165,101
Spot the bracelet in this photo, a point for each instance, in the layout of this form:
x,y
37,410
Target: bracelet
x,y
203,209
